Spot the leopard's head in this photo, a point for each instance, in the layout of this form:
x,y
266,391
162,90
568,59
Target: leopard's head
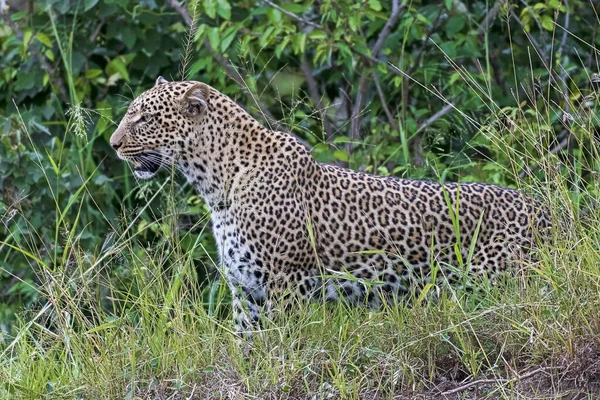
x,y
159,125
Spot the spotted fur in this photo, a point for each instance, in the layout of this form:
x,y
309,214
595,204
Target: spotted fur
x,y
286,224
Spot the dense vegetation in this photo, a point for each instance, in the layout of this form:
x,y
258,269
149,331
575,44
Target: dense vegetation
x,y
108,286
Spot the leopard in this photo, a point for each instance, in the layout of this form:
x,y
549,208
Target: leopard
x,y
288,225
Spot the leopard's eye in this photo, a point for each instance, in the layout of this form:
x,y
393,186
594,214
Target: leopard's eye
x,y
143,119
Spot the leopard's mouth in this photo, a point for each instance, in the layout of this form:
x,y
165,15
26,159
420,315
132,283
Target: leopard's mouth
x,y
146,165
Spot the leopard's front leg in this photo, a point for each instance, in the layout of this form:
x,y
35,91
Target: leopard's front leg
x,y
249,298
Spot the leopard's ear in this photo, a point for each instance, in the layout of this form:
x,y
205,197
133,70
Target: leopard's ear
x,y
160,80
194,101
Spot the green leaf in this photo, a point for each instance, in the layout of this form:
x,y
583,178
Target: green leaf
x,y
547,23
266,36
224,9
341,155
354,21
27,37
199,65
18,16
294,7
274,15
89,4
424,20
449,49
93,73
344,49
44,39
342,139
54,166
129,37
48,53
213,37
453,78
317,34
210,8
117,65
226,42
299,43
375,5
454,25
281,46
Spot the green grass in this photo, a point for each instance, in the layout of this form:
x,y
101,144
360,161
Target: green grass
x,y
163,336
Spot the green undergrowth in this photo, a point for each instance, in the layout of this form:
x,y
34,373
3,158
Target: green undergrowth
x,y
160,333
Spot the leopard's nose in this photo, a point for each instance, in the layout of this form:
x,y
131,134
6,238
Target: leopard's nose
x,y
115,145
117,138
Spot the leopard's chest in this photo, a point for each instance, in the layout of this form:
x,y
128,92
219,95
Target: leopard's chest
x,y
236,258
226,233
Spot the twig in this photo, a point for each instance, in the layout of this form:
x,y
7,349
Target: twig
x,y
356,110
96,31
447,108
491,381
362,85
181,10
192,394
489,18
393,122
430,31
313,92
292,15
387,28
563,144
535,43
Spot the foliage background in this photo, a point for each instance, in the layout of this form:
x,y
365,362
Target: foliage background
x,y
406,88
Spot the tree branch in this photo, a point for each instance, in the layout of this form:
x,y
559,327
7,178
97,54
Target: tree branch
x,y
362,85
485,24
387,28
489,18
447,108
430,31
181,10
393,122
313,92
535,43
292,15
356,110
96,31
